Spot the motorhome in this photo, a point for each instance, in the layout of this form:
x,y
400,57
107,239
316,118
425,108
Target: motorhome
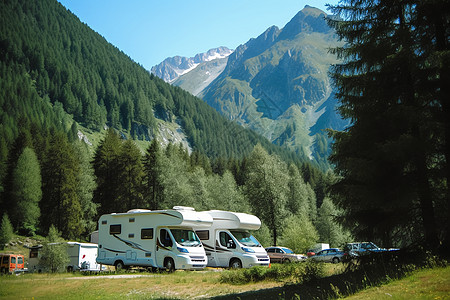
x,y
228,242
11,263
162,239
82,257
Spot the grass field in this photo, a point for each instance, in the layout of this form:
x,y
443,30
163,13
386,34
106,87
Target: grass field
x,y
422,284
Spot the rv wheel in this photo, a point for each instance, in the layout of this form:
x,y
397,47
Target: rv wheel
x,y
235,264
119,265
169,265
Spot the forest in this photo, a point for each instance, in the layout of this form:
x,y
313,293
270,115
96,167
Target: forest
x,y
58,77
389,183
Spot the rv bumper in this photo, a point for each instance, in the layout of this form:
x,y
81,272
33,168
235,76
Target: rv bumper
x,y
192,262
249,261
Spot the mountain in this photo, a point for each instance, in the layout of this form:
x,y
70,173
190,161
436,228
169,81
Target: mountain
x,y
57,74
277,85
173,67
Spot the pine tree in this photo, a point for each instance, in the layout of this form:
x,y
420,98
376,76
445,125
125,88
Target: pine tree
x,y
153,169
6,231
60,202
130,175
383,157
106,171
27,192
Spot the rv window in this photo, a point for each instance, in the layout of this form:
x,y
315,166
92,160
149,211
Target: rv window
x,y
131,235
104,222
115,229
131,220
147,233
225,239
165,238
34,253
203,234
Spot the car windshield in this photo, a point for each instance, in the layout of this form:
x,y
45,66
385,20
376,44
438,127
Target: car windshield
x,y
288,251
245,238
186,237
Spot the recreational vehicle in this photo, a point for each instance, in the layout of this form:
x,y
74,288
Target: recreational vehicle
x,y
228,243
82,257
153,239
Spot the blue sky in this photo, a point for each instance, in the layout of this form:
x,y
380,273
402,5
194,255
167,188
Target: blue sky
x,y
151,30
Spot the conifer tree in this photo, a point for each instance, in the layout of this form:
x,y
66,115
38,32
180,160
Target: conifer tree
x,y
27,192
6,231
153,170
384,157
106,172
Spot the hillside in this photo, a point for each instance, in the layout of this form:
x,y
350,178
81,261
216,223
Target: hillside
x,y
73,74
277,85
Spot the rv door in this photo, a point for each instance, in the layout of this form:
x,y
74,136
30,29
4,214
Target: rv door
x,y
227,247
164,246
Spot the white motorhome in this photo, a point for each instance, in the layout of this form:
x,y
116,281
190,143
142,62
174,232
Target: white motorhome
x,y
156,239
228,242
82,257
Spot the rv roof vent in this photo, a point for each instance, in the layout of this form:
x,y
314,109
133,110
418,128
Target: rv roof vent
x,y
183,208
138,210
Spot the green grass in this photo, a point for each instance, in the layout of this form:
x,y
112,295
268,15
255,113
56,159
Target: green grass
x,y
422,284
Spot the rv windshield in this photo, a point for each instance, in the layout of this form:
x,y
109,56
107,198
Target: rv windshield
x,y
245,238
186,237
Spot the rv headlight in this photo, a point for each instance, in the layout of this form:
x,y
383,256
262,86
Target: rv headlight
x,y
248,250
182,250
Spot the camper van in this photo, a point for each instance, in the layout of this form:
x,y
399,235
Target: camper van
x,y
11,263
82,257
152,238
228,242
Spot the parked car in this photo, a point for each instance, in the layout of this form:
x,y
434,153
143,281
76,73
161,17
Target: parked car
x,y
333,255
283,255
353,250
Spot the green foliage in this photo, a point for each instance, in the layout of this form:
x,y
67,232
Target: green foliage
x,y
6,231
296,272
54,255
27,192
299,234
389,158
266,188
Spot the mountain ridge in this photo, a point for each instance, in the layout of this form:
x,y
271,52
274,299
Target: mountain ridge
x,y
279,79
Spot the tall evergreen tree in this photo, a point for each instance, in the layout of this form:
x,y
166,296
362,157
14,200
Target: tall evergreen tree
x,y
106,171
384,158
153,169
60,202
26,192
130,174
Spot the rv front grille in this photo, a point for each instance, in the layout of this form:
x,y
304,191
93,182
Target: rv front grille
x,y
197,258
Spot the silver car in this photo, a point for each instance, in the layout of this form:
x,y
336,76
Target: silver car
x,y
333,255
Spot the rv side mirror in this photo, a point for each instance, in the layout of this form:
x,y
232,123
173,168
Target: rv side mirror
x,y
231,244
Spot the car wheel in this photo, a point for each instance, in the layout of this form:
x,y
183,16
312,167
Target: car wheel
x,y
119,265
169,265
335,260
235,264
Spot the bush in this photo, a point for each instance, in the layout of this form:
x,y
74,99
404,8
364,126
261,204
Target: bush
x,y
296,272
